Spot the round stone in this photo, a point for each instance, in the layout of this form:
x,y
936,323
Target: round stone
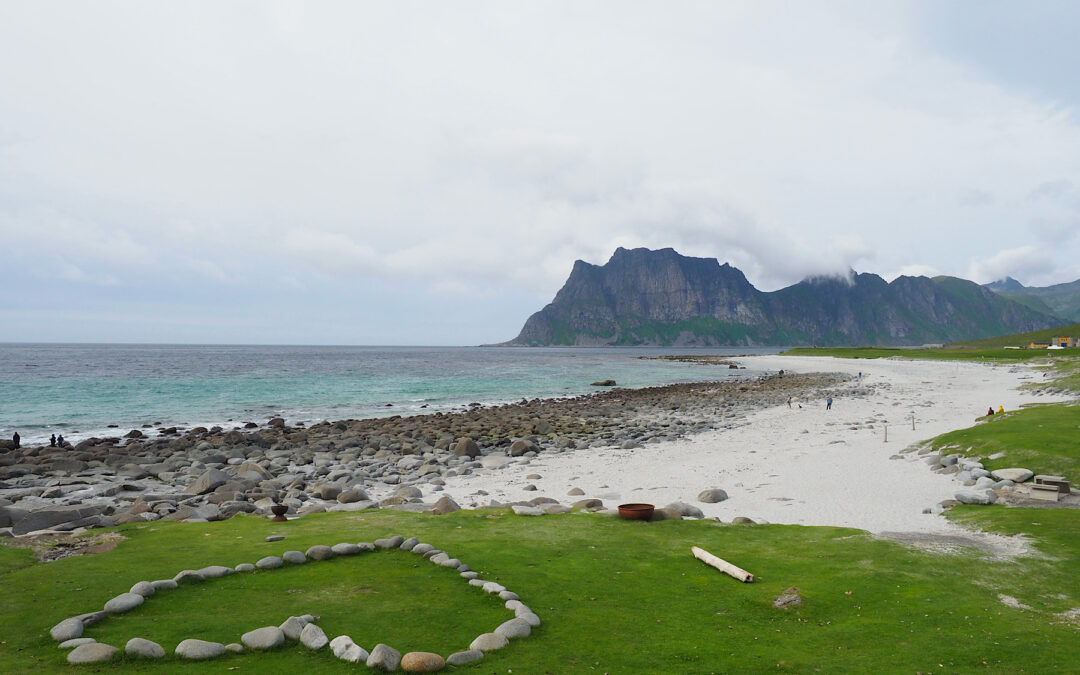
x,y
320,552
384,657
461,658
313,637
94,652
489,642
294,557
144,648
197,650
422,662
123,603
144,588
267,637
67,629
270,562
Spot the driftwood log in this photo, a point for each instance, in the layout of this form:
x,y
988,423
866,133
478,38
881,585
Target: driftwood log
x,y
722,565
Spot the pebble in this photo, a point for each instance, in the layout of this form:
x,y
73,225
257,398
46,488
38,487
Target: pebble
x,y
275,537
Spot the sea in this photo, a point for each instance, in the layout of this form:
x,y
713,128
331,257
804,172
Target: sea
x,y
83,390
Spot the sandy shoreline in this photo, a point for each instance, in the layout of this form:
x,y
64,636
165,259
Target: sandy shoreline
x,y
805,465
801,465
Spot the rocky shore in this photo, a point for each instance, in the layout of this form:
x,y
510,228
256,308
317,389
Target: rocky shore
x,y
393,462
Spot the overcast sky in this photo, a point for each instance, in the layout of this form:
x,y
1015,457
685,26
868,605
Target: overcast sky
x,y
427,172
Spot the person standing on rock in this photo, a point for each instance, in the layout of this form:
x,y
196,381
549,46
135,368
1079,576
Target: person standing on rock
x,y
16,439
52,441
60,441
828,403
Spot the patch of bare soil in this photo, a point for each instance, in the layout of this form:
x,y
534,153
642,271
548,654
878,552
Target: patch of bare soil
x,y
996,546
51,546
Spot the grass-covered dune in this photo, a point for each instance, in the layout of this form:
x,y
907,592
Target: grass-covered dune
x,y
615,596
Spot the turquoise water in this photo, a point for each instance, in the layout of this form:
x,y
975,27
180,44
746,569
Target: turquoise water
x,y
78,390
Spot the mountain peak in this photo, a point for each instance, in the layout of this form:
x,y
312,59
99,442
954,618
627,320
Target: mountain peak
x,y
1006,285
661,297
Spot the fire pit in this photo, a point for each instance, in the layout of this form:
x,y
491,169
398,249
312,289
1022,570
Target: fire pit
x,y
636,511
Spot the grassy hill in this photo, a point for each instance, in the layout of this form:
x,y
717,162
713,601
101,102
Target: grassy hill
x,y
1022,339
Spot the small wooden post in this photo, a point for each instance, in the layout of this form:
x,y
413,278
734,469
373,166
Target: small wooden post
x,y
722,565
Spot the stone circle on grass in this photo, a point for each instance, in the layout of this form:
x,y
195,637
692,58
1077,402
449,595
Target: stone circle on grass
x,y
302,628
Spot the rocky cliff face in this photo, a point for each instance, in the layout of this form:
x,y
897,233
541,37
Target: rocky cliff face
x,y
645,297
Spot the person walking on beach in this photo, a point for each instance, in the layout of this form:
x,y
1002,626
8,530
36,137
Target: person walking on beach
x,y
15,439
52,441
828,403
789,401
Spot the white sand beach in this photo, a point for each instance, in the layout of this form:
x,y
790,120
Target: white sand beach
x,y
805,465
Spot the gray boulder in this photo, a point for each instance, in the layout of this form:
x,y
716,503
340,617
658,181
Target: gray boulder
x,y
319,552
68,629
489,642
1014,474
144,649
514,628
47,518
353,495
384,657
125,602
293,627
974,497
144,588
345,649
294,557
198,650
712,496
270,562
390,542
461,658
466,447
94,652
313,637
445,505
345,548
685,510
209,481
267,637
75,642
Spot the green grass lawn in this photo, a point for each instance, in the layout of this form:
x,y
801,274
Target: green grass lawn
x,y
615,596
1044,438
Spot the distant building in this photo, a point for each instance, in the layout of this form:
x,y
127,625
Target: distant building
x,y
1056,343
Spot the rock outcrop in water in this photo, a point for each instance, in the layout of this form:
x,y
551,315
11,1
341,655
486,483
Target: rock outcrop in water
x,y
645,297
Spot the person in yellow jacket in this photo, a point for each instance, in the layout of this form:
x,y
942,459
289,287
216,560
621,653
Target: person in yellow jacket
x,y
1001,409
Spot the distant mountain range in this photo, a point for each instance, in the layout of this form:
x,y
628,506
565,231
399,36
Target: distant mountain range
x,y
647,297
1061,299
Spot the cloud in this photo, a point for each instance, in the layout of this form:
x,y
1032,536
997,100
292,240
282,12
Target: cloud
x,y
473,157
1024,261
